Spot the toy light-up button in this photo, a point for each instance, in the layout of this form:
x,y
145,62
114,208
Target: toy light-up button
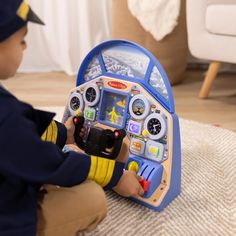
x,y
154,151
78,112
133,165
145,133
137,146
134,127
89,113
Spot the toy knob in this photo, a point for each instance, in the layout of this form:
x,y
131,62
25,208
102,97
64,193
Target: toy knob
x,y
133,165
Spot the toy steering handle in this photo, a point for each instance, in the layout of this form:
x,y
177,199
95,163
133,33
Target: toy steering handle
x,y
104,142
100,142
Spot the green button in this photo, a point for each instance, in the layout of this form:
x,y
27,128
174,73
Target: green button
x,y
89,114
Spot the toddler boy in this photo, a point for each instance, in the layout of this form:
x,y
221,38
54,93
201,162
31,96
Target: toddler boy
x,y
31,156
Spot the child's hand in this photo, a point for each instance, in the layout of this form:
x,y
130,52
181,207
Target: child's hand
x,y
128,185
71,130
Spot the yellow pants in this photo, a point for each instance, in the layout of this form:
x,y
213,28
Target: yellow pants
x,y
65,211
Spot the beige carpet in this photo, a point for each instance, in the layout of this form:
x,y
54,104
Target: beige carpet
x,y
207,204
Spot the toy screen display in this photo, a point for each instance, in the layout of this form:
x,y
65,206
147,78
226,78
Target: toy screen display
x,y
113,109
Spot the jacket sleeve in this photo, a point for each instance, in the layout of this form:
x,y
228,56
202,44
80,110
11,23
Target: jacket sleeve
x,y
55,133
105,172
23,154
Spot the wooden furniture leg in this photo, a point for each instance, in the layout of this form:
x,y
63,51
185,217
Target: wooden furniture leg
x,y
210,77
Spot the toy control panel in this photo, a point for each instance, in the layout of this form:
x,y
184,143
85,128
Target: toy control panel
x,y
124,101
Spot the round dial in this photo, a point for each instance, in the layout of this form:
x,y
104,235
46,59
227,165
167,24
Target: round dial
x,y
139,107
155,125
75,102
91,95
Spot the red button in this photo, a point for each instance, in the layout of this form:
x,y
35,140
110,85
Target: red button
x,y
76,120
117,133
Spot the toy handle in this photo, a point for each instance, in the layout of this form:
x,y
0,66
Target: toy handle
x,y
118,140
100,141
79,123
145,184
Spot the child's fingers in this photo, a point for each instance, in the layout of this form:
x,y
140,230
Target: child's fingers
x,y
70,119
139,177
82,130
141,191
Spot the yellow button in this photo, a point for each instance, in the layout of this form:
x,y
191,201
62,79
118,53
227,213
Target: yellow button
x,y
77,112
133,165
145,133
152,150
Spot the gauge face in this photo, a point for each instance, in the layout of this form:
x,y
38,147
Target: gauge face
x,y
154,126
138,107
90,94
75,103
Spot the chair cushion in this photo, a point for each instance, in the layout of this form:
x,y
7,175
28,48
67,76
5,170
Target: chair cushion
x,y
220,19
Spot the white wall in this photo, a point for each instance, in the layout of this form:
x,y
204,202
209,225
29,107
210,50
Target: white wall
x,y
73,28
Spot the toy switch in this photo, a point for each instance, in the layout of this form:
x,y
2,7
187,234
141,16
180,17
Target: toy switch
x,y
152,175
145,184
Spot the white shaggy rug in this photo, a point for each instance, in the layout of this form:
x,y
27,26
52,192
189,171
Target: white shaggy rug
x,y
207,204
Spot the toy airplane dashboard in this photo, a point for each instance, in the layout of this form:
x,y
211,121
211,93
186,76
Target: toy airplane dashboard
x,y
127,107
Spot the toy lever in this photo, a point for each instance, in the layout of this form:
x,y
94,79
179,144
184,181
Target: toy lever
x,y
145,184
133,165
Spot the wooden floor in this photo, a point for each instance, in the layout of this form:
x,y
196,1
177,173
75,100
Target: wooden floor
x,y
52,89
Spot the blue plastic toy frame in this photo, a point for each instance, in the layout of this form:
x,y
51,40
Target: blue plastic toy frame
x,y
97,52
168,104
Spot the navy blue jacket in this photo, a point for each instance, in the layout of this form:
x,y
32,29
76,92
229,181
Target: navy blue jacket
x,y
27,162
